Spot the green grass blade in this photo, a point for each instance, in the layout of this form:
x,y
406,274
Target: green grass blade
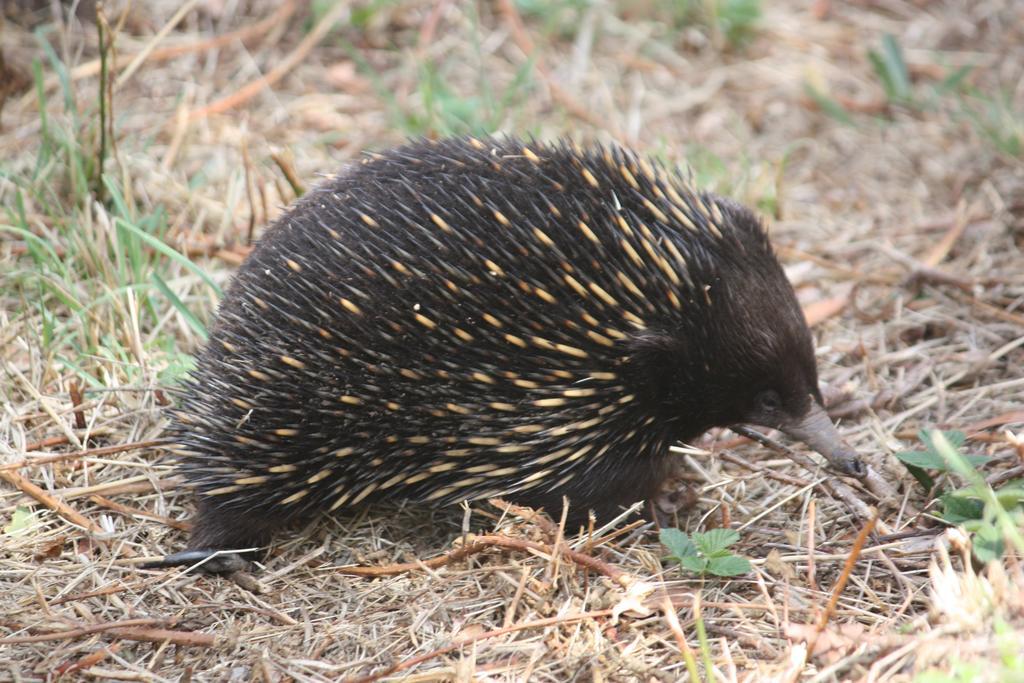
x,y
170,253
197,326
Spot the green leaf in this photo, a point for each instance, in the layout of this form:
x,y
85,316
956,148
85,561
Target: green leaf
x,y
706,552
713,542
927,460
892,53
169,252
955,437
954,80
729,565
197,326
1011,495
922,477
737,19
179,365
891,69
957,509
830,106
988,543
932,459
679,544
694,563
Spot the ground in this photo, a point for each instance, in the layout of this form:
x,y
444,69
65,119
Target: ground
x,y
141,151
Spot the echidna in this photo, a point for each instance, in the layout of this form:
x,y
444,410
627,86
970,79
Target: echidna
x,y
469,318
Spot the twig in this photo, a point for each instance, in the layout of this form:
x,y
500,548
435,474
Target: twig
x,y
559,541
522,40
764,471
160,635
403,567
480,543
88,661
620,577
47,408
93,68
288,169
844,576
549,528
86,453
941,250
995,421
247,166
82,631
833,486
60,507
935,276
672,619
429,26
812,583
106,102
250,90
61,439
819,311
76,400
419,659
995,311
135,512
837,590
110,589
180,128
138,59
510,612
140,484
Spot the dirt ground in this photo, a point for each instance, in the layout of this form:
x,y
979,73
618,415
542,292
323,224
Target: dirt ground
x,y
882,139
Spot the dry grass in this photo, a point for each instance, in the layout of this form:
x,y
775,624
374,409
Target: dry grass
x,y
900,220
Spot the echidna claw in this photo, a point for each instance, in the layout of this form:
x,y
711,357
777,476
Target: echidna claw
x,y
206,560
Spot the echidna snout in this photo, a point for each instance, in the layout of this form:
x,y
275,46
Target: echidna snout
x,y
468,318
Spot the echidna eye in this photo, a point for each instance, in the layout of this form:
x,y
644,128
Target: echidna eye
x,y
769,400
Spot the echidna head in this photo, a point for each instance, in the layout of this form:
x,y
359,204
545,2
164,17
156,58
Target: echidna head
x,y
782,393
749,350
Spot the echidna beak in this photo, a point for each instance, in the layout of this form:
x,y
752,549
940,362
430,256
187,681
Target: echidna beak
x,y
817,431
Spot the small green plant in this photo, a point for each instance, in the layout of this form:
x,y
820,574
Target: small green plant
x,y
733,22
728,23
438,108
891,69
736,20
996,119
993,115
1006,664
97,272
960,672
828,104
709,169
917,462
992,516
557,18
444,111
979,509
706,553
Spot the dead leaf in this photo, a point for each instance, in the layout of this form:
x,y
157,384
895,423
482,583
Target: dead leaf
x,y
831,644
774,564
822,310
344,77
